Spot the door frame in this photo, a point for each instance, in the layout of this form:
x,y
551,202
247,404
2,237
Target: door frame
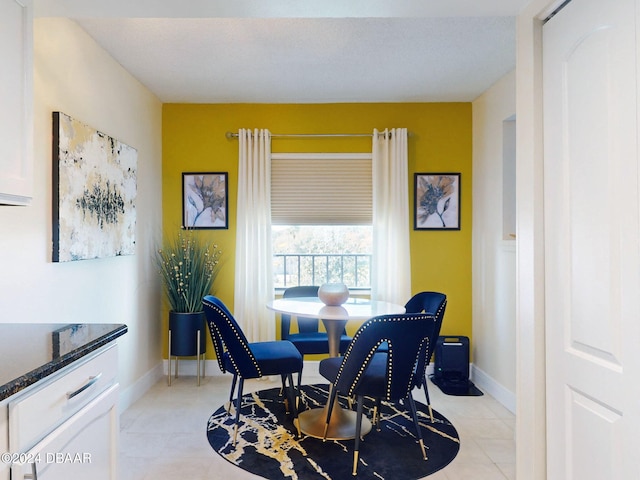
x,y
531,445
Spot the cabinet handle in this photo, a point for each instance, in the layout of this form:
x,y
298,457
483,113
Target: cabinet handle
x,y
34,473
90,382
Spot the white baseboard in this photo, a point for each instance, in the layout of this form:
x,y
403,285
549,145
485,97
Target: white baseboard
x,y
134,392
488,385
189,368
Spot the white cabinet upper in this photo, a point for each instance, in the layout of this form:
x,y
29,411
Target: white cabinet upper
x,y
16,102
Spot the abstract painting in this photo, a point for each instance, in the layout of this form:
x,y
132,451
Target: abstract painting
x,y
437,201
94,193
204,200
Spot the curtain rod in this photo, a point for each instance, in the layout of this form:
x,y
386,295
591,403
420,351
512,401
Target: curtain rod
x,y
231,135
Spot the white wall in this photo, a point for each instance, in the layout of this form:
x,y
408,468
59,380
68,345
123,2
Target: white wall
x,y
494,251
75,76
531,366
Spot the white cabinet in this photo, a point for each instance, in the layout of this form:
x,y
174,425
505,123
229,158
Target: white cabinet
x,y
66,425
16,102
83,447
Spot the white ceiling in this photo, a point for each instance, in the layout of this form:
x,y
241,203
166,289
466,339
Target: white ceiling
x,y
288,51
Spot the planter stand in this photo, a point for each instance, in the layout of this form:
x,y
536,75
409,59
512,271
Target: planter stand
x,y
186,339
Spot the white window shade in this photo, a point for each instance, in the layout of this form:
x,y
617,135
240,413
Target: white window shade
x,y
321,189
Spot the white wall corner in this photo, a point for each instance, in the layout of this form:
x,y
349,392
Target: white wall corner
x,y
135,391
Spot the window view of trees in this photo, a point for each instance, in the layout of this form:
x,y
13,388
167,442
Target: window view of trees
x,y
317,254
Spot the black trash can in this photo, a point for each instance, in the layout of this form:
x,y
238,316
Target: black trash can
x,y
451,366
452,359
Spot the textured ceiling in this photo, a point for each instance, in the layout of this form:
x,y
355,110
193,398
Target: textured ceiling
x,y
224,52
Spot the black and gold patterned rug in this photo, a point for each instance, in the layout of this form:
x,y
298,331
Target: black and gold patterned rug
x,y
266,444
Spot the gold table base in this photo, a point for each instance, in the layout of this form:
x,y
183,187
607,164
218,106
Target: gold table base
x,y
342,425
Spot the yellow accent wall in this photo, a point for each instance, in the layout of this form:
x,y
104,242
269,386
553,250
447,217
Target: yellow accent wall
x,y
440,140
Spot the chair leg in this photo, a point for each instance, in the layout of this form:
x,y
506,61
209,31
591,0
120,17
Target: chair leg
x,y
233,387
356,443
333,392
426,394
289,398
293,400
286,398
299,383
412,408
238,405
299,390
376,414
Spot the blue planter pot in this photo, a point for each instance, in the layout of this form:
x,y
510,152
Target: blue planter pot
x,y
184,328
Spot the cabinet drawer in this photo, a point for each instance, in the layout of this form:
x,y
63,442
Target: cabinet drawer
x,y
85,446
37,412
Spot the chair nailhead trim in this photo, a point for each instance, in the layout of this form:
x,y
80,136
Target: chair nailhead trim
x,y
370,354
239,337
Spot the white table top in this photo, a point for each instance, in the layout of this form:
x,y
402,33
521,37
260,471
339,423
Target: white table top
x,y
352,309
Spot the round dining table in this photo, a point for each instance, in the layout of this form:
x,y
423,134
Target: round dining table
x,y
334,318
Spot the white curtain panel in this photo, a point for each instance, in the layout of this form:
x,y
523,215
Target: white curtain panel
x,y
254,262
391,265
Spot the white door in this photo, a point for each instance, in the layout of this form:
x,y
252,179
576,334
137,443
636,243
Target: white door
x,y
592,241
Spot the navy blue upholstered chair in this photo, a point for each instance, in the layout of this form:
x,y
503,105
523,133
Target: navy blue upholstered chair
x,y
434,303
384,375
309,340
249,360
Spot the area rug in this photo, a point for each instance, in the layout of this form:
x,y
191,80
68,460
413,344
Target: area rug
x,y
266,445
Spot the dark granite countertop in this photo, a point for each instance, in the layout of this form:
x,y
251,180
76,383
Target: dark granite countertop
x,y
30,352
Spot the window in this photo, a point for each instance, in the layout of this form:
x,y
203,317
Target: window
x,y
317,254
321,213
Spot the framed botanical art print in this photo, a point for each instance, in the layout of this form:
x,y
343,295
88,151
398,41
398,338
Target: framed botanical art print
x,y
204,200
437,201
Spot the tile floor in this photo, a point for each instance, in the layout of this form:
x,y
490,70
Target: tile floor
x,y
162,436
